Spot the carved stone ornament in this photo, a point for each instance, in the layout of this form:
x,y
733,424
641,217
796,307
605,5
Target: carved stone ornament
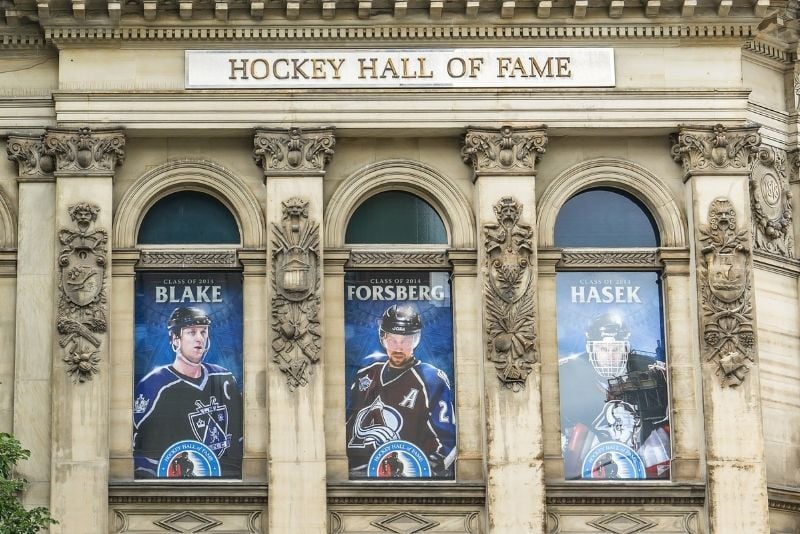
x,y
86,151
510,300
724,281
294,150
82,304
505,150
388,259
715,148
771,203
197,259
29,153
296,292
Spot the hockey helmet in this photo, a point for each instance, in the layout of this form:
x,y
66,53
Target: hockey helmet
x,y
183,317
608,345
401,319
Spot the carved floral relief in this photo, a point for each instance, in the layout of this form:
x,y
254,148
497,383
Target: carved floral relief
x,y
296,299
30,155
509,292
85,151
505,150
771,204
725,284
294,149
715,148
82,303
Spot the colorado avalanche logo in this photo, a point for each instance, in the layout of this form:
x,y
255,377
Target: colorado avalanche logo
x,y
375,425
210,426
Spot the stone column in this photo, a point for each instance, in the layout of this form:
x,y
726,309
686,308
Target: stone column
x,y
717,162
84,168
504,164
294,166
35,310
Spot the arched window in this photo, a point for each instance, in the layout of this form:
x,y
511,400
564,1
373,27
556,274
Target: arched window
x,y
604,217
395,217
612,360
188,218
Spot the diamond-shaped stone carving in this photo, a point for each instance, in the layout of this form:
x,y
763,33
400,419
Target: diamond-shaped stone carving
x,y
187,522
622,524
404,523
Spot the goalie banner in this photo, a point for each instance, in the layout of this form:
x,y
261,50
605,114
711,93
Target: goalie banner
x,y
612,376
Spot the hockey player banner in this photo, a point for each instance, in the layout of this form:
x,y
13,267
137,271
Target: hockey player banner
x,y
400,415
612,376
187,403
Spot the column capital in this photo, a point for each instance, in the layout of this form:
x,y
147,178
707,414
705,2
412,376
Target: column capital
x,y
715,149
34,164
504,151
85,152
293,151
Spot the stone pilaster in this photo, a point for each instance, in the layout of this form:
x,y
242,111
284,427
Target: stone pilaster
x,y
504,161
717,162
294,166
35,310
85,161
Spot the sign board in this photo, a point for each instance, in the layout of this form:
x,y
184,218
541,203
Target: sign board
x,y
397,68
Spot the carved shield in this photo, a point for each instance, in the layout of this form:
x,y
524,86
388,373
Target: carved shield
x,y
82,276
296,273
510,275
727,276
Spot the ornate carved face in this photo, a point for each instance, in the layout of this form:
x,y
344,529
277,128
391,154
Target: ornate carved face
x,y
507,211
294,208
83,214
721,215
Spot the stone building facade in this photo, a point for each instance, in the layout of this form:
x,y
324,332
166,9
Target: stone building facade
x,y
688,108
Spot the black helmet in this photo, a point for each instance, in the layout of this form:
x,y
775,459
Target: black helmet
x,y
403,320
183,317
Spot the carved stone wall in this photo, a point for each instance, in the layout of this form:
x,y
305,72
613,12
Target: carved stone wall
x,y
771,203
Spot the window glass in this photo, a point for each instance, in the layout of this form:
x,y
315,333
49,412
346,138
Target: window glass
x,y
605,218
395,217
188,218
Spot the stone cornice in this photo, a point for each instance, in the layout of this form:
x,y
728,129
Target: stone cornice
x,y
715,149
503,151
784,498
195,493
85,152
301,152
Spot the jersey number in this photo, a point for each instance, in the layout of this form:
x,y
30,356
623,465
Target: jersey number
x,y
443,409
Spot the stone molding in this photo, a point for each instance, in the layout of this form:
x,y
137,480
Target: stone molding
x,y
711,29
510,294
82,303
85,152
776,264
717,148
401,175
354,493
194,259
195,493
618,174
771,204
198,175
503,151
609,258
724,283
380,260
296,293
296,151
34,163
784,498
8,223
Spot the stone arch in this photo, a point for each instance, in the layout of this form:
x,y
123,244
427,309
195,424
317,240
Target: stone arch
x,y
401,175
618,174
8,226
194,175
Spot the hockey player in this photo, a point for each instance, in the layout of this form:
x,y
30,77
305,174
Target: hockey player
x,y
395,397
188,400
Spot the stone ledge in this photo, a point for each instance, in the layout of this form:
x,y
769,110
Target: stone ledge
x,y
777,264
625,493
222,492
784,498
400,493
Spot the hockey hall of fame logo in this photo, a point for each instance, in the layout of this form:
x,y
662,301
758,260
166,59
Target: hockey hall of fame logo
x,y
188,459
613,460
398,459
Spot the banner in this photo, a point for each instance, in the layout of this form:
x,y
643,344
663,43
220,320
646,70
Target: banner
x,y
400,396
187,404
612,376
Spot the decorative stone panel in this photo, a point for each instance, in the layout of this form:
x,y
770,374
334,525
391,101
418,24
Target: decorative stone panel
x,y
771,205
717,148
402,520
504,151
293,151
84,151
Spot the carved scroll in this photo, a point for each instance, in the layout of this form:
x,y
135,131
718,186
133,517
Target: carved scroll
x,y
85,151
293,150
715,148
82,304
509,292
770,200
506,150
29,153
724,281
296,297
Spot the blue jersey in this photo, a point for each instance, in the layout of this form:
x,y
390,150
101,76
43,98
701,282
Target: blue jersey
x,y
413,404
170,407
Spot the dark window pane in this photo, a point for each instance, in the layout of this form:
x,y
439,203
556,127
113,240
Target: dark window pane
x,y
188,218
395,217
605,218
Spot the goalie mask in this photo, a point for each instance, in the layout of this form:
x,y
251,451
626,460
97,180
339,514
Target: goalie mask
x,y
608,345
